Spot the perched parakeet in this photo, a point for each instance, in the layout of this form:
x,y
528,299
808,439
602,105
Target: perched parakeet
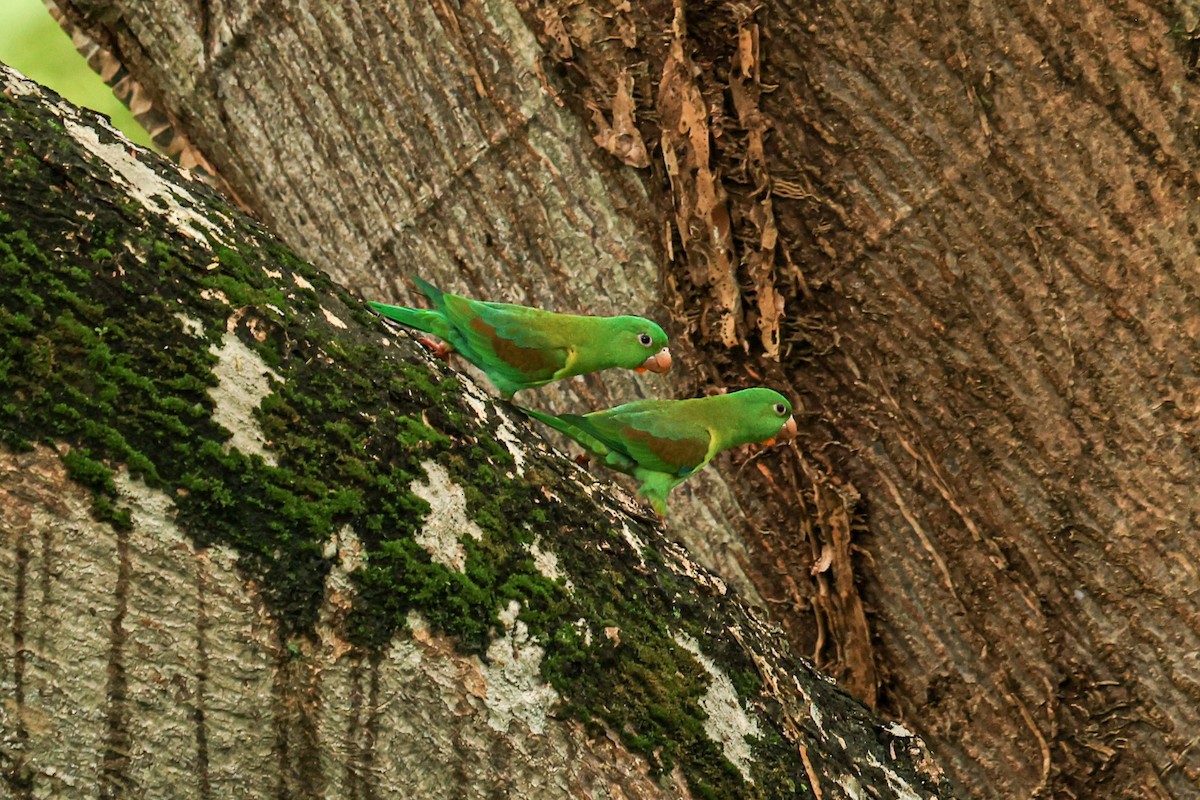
x,y
662,442
521,347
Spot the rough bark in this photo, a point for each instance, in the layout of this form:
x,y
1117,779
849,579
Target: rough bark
x,y
982,221
252,546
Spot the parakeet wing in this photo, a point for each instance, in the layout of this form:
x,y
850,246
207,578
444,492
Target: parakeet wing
x,y
511,339
651,435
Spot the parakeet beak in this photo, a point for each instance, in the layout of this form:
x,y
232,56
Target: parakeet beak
x,y
660,362
786,433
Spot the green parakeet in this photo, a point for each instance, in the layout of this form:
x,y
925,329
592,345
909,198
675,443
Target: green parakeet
x,y
521,347
662,442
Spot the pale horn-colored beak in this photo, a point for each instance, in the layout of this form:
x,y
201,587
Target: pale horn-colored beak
x,y
660,362
787,432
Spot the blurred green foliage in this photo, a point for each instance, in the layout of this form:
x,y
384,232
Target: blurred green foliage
x,y
32,42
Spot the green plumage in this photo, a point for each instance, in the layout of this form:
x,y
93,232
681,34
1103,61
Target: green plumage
x,y
662,442
519,347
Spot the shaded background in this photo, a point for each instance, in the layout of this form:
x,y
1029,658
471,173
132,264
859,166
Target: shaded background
x,y
32,42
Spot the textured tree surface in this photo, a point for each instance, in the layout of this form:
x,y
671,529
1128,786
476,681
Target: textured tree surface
x,y
252,546
968,231
437,147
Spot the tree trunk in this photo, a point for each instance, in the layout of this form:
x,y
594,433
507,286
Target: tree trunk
x,y
967,231
251,546
455,161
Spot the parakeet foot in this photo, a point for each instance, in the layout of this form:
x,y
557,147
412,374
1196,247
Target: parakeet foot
x,y
439,349
584,460
649,514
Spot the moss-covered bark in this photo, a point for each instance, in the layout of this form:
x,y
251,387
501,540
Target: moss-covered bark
x,y
151,333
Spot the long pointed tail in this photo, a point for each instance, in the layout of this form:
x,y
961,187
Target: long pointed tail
x,y
575,427
423,320
435,295
558,423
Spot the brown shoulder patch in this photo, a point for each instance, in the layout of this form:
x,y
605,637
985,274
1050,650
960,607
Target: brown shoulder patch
x,y
679,453
532,362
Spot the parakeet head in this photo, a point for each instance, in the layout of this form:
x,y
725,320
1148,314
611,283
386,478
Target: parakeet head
x,y
764,416
639,344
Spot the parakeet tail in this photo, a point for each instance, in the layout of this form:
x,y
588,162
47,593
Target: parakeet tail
x,y
574,426
429,321
557,423
432,292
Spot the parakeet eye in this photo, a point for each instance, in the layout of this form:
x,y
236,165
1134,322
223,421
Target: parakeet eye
x,y
780,409
645,339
